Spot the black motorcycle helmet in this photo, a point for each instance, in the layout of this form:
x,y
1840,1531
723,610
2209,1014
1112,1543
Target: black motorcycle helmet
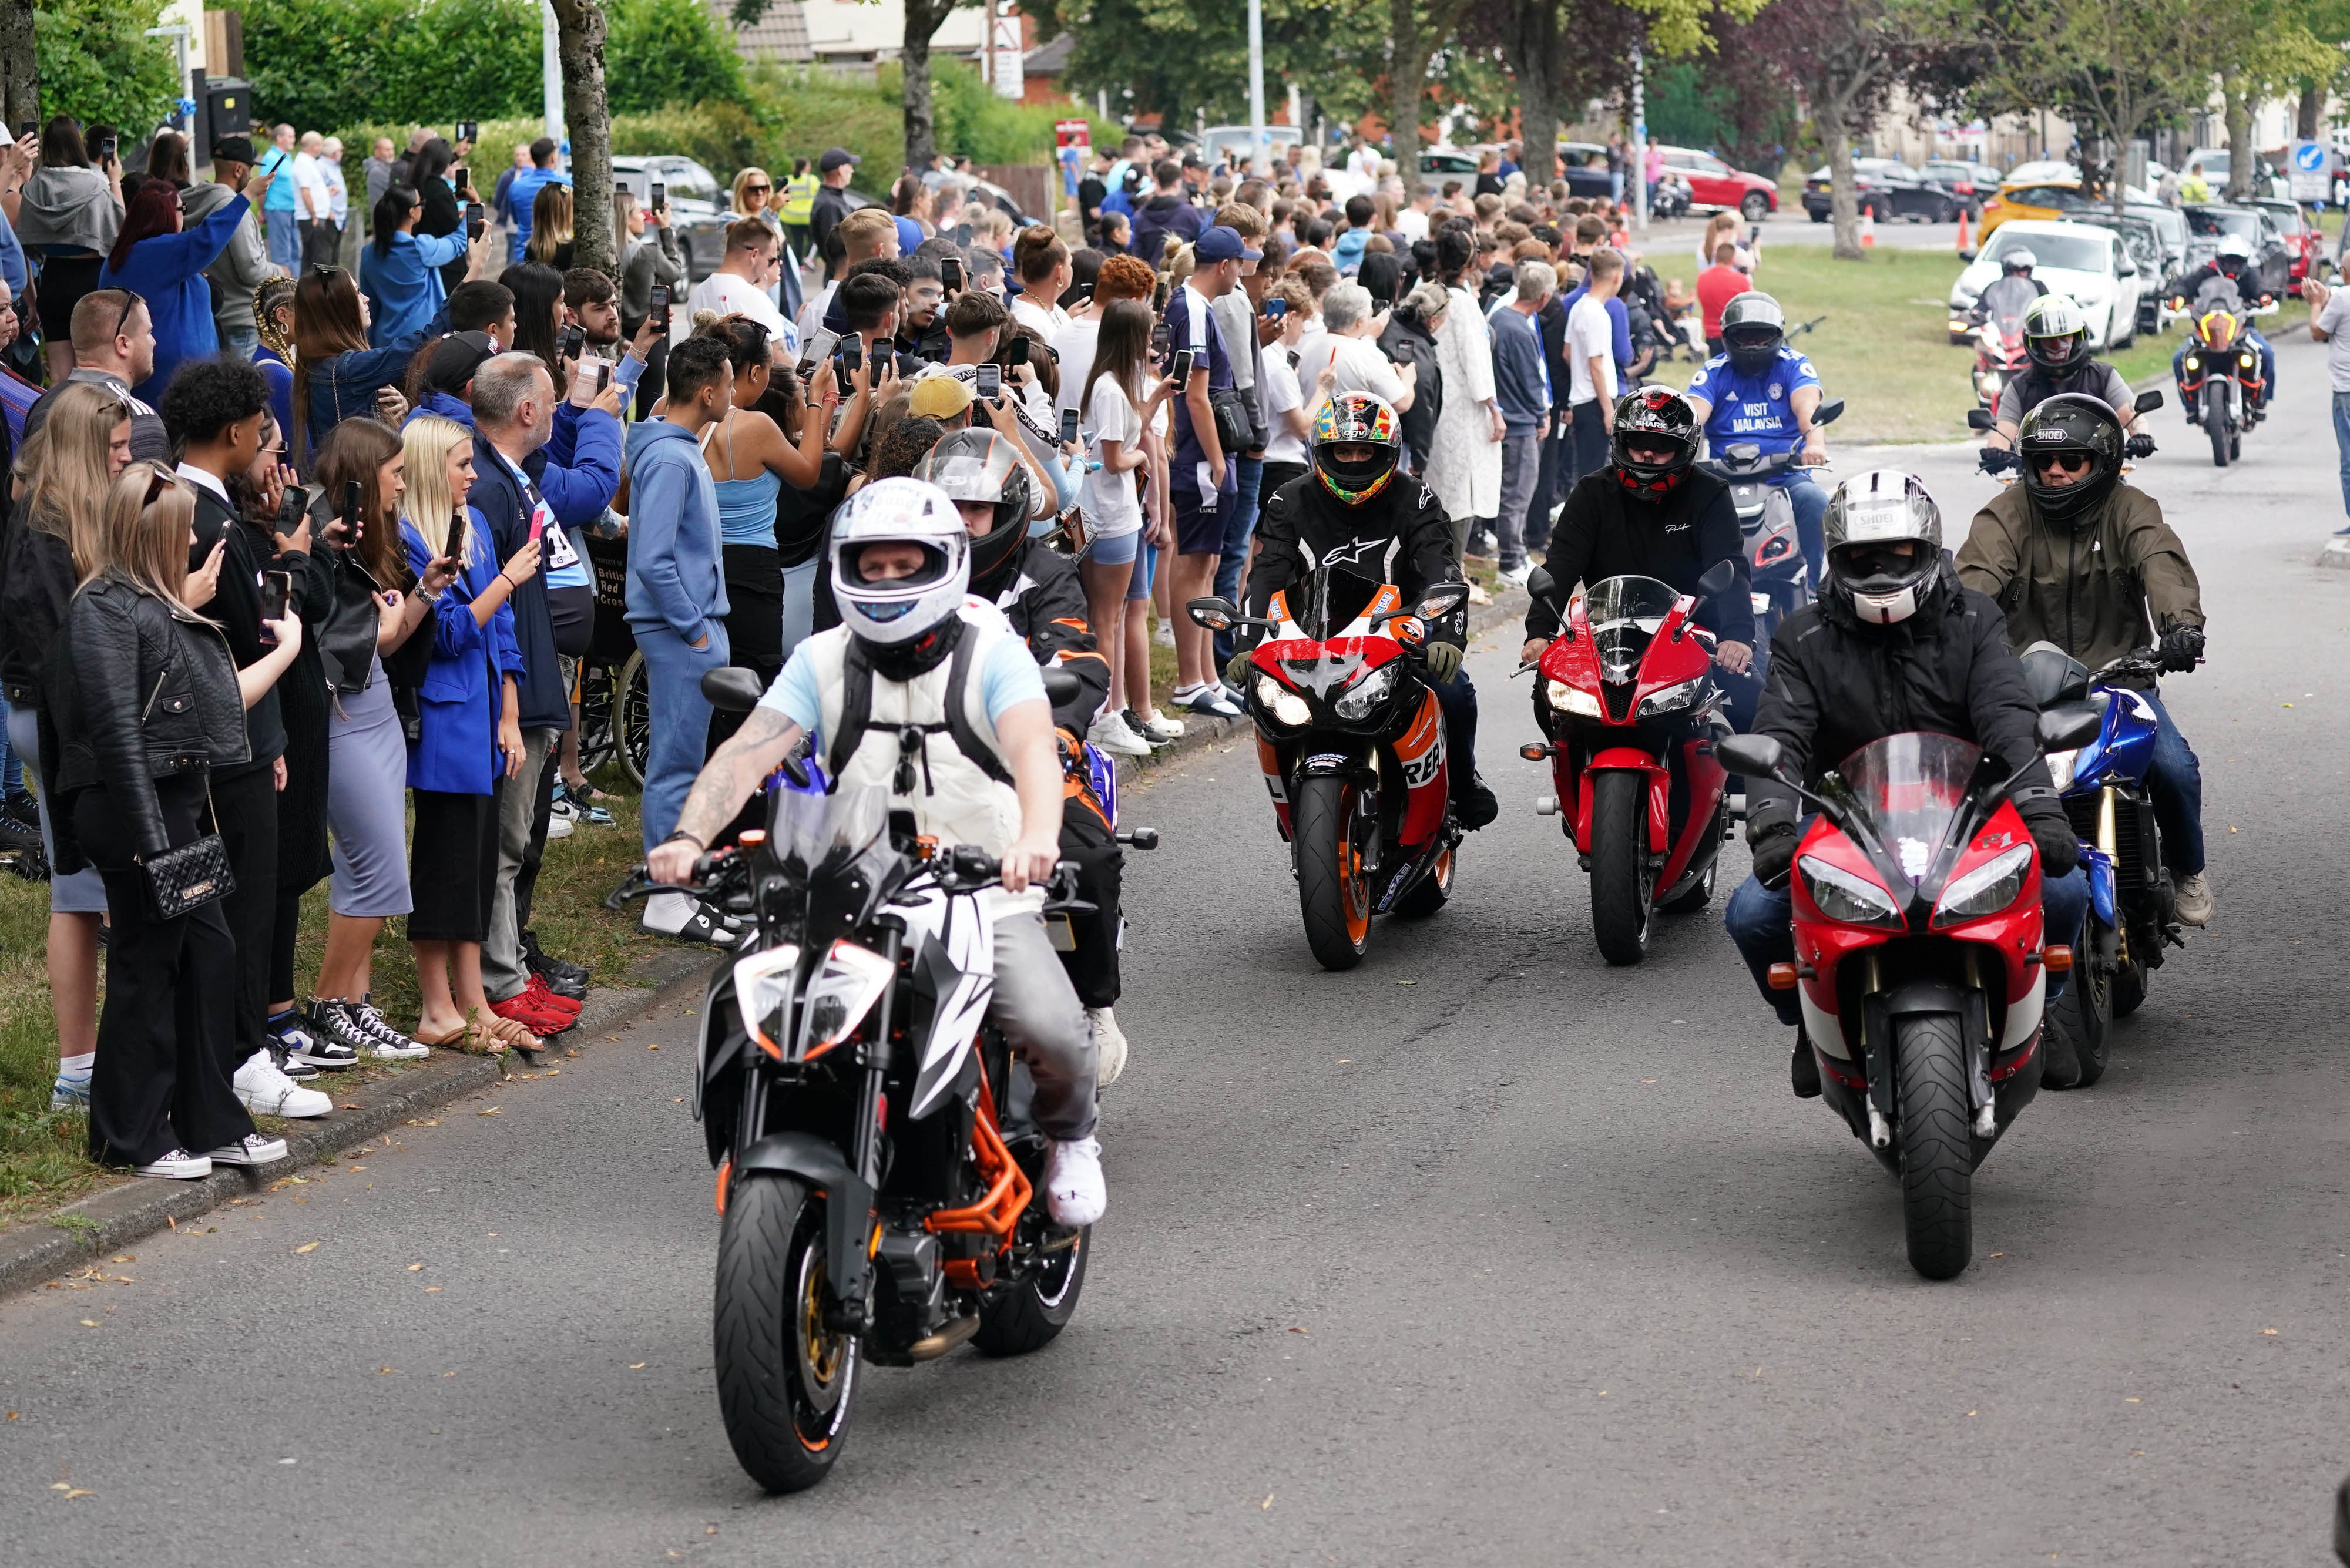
x,y
2073,428
2057,337
981,465
1652,417
1753,329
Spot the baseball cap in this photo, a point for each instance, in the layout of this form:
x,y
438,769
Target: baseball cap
x,y
455,358
834,158
938,398
1222,244
233,150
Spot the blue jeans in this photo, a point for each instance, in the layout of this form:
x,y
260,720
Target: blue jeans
x,y
680,720
285,232
2268,366
12,767
1554,482
2342,442
1240,527
1458,700
1810,500
1761,923
2174,778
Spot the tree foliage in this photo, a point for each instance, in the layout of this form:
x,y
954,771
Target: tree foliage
x,y
669,51
96,66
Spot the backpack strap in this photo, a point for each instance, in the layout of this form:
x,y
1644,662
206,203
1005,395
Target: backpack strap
x,y
959,719
856,710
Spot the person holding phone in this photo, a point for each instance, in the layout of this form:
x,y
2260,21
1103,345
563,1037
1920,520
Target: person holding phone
x,y
649,258
154,259
68,213
1113,409
1201,480
402,271
244,264
444,189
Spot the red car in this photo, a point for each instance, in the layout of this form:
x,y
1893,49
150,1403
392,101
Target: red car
x,y
1713,183
2304,247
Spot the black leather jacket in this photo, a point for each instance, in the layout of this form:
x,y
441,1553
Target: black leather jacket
x,y
36,585
1400,536
137,691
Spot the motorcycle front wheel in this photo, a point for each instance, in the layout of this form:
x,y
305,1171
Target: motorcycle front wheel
x,y
785,1381
1039,1305
1620,883
2215,421
1333,893
1935,1141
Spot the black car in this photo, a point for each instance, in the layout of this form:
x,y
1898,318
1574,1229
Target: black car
x,y
2271,261
1886,189
1971,183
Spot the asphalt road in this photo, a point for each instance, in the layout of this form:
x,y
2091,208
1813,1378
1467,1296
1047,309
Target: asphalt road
x,y
1483,1253
1791,226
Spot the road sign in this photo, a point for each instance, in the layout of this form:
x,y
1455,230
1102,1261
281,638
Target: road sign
x,y
2308,176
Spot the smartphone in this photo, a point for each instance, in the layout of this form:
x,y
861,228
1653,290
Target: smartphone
x,y
660,305
106,150
951,274
1015,353
469,130
990,383
603,377
1276,308
817,349
352,501
475,222
575,342
1068,426
290,510
661,196
1753,233
1181,369
455,550
1159,338
25,127
276,588
464,182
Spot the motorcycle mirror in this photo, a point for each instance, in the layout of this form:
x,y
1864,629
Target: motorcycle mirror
x,y
733,690
1980,419
1828,412
2148,400
1755,756
1541,586
2063,729
1442,600
1717,579
1061,687
1216,614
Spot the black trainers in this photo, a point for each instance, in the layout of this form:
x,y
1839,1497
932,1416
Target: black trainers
x,y
20,822
328,1038
568,981
2060,1057
1803,1069
1476,807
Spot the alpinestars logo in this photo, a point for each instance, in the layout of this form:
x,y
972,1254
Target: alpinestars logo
x,y
1353,552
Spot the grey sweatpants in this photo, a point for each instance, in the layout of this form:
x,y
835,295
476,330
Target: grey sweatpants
x,y
1038,1010
504,973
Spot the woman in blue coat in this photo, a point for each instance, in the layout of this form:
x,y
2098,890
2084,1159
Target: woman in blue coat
x,y
156,261
468,742
400,272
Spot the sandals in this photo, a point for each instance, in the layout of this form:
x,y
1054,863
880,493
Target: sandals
x,y
509,1033
489,1037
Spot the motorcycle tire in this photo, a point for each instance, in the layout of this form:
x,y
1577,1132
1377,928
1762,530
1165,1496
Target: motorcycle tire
x,y
2215,421
1333,894
1431,892
785,1384
1621,910
2129,988
2087,1008
1700,893
1935,1141
1038,1305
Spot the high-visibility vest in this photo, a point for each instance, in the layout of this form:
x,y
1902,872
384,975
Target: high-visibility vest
x,y
799,200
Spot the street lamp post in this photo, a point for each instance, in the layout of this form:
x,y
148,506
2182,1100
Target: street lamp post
x,y
1256,88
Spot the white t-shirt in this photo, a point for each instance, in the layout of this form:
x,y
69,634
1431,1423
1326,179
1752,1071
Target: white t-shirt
x,y
1044,320
1310,354
1112,506
1281,395
2335,319
1589,332
1413,225
339,196
311,197
731,295
1074,344
1360,365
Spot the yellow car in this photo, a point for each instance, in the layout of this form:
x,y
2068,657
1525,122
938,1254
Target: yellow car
x,y
2050,200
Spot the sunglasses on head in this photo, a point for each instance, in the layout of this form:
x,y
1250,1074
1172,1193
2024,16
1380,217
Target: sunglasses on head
x,y
158,481
2070,462
131,302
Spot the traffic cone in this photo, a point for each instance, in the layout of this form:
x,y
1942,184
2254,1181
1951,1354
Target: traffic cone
x,y
1867,229
1962,228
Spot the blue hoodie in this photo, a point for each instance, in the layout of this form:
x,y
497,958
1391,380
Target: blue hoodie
x,y
442,404
403,284
1348,254
677,577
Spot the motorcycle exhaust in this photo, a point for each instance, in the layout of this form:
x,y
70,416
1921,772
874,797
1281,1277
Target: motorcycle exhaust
x,y
937,1344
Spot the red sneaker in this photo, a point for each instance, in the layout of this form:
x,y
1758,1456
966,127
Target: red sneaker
x,y
525,1009
550,1001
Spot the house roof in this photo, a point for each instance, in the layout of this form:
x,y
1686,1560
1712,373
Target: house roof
x,y
779,34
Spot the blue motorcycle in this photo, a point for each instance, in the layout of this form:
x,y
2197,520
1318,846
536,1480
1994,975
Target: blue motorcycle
x,y
2131,904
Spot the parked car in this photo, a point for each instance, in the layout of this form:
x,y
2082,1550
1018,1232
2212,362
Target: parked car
x,y
2304,246
1971,183
1584,177
697,204
2271,266
1714,184
2091,263
2144,243
1885,188
2171,224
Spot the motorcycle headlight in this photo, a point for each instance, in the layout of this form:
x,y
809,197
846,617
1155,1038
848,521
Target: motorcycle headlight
x,y
1673,697
1985,890
2061,767
763,995
1566,699
1841,896
1359,701
2245,360
2192,363
1288,708
851,982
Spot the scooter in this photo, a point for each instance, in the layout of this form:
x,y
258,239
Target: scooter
x,y
1781,579
1920,961
1625,698
2132,906
1351,742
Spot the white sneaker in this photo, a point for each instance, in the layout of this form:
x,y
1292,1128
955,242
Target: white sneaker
x,y
252,1148
1073,1187
179,1166
1111,733
1110,1046
1165,634
267,1091
1516,575
2194,899
558,825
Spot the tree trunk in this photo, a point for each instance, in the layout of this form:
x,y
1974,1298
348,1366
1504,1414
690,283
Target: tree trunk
x,y
1532,48
2238,114
1407,57
2313,106
20,72
1844,212
922,20
580,30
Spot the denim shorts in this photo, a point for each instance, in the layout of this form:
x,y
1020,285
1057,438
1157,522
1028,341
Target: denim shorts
x,y
1113,549
1145,564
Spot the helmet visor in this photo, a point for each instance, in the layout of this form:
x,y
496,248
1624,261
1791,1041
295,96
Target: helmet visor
x,y
888,565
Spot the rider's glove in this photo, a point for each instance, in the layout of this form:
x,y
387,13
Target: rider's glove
x,y
2139,445
2059,850
1997,460
1236,672
2182,648
1443,662
1774,854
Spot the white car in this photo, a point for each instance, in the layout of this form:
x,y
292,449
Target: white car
x,y
2091,264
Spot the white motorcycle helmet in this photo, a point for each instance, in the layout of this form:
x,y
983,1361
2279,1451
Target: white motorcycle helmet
x,y
1884,507
896,611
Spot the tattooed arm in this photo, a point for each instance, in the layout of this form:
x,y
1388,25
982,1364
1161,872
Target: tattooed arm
x,y
753,752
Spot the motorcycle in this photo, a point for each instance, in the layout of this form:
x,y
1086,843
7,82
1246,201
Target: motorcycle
x,y
2219,376
2132,906
1626,700
1781,579
1920,963
880,1186
2001,463
1351,742
2000,355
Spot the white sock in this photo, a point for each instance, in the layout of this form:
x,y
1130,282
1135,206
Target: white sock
x,y
668,912
76,1066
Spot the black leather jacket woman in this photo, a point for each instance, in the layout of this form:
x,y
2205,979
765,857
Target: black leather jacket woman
x,y
36,585
137,691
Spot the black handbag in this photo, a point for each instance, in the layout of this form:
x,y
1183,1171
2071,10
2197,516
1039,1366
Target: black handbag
x,y
182,880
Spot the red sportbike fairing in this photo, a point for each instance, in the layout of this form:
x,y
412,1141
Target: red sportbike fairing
x,y
1626,696
1919,962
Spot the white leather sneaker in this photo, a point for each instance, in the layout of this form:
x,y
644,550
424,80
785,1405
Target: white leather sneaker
x,y
1110,1046
1073,1187
268,1092
2194,899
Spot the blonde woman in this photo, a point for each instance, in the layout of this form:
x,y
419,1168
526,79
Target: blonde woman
x,y
468,742
550,228
1724,226
147,702
754,196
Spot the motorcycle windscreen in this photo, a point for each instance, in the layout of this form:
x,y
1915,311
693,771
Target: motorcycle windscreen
x,y
1625,614
1910,788
1336,594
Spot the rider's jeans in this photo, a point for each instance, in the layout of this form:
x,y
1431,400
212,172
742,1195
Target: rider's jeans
x,y
1240,528
1458,698
1810,500
2268,364
2174,778
1760,922
1038,1010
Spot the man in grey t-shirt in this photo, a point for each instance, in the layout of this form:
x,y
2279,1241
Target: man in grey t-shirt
x,y
2329,318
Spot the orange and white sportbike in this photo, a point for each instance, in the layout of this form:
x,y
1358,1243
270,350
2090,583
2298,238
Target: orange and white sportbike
x,y
1351,740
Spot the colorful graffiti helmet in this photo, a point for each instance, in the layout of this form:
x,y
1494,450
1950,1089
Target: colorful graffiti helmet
x,y
1356,419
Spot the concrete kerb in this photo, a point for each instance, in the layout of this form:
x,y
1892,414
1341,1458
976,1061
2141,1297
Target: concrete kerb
x,y
118,1215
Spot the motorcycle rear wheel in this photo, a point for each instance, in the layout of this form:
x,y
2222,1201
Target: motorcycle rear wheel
x,y
2087,1008
1621,886
1333,894
2215,422
2129,988
1038,1305
785,1382
1430,893
1936,1143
